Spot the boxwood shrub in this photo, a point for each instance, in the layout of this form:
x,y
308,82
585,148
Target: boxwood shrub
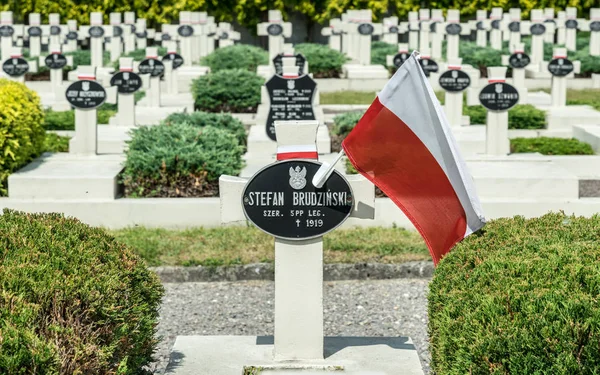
x,y
217,120
65,120
550,146
521,116
22,133
56,143
323,62
342,126
519,297
379,52
179,160
72,299
234,90
239,56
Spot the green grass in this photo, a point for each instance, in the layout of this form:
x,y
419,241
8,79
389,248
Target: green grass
x,y
244,245
589,97
56,143
550,146
348,97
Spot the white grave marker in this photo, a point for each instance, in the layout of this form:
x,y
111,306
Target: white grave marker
x,y
185,34
390,30
560,67
34,32
453,29
116,33
518,61
173,61
514,28
96,32
334,32
550,25
571,25
454,81
594,27
424,17
72,37
482,27
437,33
56,31
226,36
129,37
413,30
141,34
496,33
56,62
276,30
8,31
154,69
561,30
127,83
537,30
15,67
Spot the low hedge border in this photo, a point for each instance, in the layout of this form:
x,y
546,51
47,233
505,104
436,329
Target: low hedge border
x,y
550,146
234,91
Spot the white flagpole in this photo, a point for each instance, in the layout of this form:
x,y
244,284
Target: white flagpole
x,y
325,171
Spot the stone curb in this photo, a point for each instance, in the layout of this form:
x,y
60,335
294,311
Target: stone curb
x,y
266,271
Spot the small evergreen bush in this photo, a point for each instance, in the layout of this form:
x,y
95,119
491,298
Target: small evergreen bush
x,y
239,56
323,62
380,51
72,299
180,160
22,133
65,120
477,114
56,143
519,297
217,120
526,116
345,122
227,91
550,146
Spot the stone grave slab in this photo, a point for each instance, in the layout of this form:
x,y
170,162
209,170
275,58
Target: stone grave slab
x,y
347,355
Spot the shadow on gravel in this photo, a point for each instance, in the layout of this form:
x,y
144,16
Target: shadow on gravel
x,y
175,360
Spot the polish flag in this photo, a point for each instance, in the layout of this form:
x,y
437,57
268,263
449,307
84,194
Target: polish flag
x,y
403,144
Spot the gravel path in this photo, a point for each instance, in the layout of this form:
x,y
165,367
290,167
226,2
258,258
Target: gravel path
x,y
352,308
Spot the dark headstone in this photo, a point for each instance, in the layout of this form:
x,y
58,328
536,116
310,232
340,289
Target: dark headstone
x,y
154,67
429,66
393,29
560,67
454,80
595,26
400,58
176,58
519,60
15,66
496,24
126,82
499,96
96,32
86,94
55,30
571,24
480,25
117,31
56,61
72,35
514,26
6,31
142,34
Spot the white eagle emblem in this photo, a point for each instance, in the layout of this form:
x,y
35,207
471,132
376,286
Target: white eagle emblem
x,y
454,74
291,84
85,86
499,88
297,178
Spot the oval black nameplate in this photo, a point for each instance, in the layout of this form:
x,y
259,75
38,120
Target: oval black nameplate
x,y
365,29
550,21
55,30
34,31
175,57
224,35
117,31
72,35
400,58
275,29
499,96
165,37
126,82
185,31
85,94
429,66
595,26
537,29
6,31
496,24
479,25
560,67
281,200
142,34
15,66
453,29
455,80
55,61
154,67
514,26
393,29
519,60
571,24
96,32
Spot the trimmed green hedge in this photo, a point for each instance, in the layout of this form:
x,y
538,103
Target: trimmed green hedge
x,y
217,120
239,56
235,90
379,52
180,160
550,146
65,120
72,299
56,143
345,122
521,116
323,62
22,134
519,297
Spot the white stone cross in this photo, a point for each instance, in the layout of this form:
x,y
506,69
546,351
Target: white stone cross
x,y
437,36
550,25
141,34
537,40
559,83
482,25
390,30
276,30
334,32
496,32
72,30
571,32
225,35
497,142
513,28
16,53
362,29
6,43
453,100
55,31
129,37
126,102
96,42
298,264
594,27
184,32
171,76
518,75
210,28
413,30
116,34
56,75
153,83
424,18
35,41
561,30
453,19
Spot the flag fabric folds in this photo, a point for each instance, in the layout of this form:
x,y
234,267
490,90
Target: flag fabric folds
x,y
404,145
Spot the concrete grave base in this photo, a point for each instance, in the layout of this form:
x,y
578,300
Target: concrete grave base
x,y
238,355
567,117
538,71
353,71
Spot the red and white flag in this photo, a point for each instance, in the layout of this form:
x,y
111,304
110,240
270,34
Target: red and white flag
x,y
403,144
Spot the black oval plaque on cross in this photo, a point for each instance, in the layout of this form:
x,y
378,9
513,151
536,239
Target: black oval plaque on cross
x,y
34,31
6,31
595,26
365,29
15,66
537,29
142,34
281,200
55,30
519,60
514,26
560,67
85,94
454,80
154,67
393,29
126,82
275,29
117,31
72,35
165,37
185,31
571,24
433,27
429,66
499,96
453,29
496,24
175,57
224,35
96,32
400,58
56,61
479,25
